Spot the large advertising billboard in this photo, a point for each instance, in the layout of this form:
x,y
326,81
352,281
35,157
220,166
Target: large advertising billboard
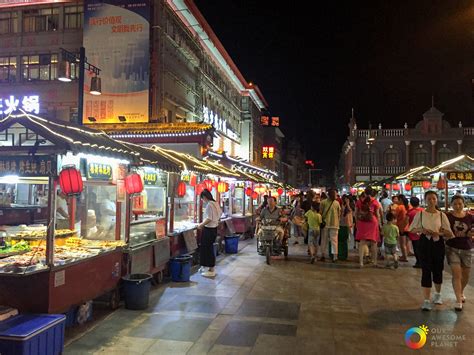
x,y
117,40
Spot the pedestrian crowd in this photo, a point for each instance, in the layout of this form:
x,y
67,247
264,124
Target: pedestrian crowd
x,y
389,229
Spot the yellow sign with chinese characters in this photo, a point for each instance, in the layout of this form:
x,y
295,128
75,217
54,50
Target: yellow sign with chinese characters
x,y
99,171
460,175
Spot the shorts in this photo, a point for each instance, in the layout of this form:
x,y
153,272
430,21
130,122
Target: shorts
x,y
390,249
313,237
458,256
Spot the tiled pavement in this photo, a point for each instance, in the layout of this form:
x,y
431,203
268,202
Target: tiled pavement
x,y
290,307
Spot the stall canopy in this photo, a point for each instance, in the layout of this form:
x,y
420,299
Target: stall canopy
x,y
21,132
409,174
462,163
187,162
155,158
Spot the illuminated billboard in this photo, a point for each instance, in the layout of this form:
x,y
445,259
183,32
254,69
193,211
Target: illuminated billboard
x,y
117,40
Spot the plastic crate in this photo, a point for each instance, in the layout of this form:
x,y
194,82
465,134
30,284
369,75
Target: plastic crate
x,y
32,334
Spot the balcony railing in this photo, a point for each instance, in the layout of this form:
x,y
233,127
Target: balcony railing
x,y
364,133
469,131
379,170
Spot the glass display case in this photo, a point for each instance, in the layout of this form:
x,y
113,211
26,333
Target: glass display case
x,y
149,208
238,201
185,210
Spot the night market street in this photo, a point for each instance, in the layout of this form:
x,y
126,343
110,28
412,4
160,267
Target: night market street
x,y
289,307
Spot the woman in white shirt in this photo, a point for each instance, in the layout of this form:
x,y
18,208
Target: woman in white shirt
x,y
212,214
433,227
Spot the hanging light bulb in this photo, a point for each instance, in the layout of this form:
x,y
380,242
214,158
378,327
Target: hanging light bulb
x,y
96,86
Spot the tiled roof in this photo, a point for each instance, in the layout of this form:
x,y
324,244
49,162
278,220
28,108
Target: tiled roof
x,y
127,130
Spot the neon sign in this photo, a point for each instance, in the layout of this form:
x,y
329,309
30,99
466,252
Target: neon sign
x,y
268,152
219,124
29,104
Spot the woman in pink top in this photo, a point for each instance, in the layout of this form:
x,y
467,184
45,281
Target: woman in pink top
x,y
414,237
401,207
367,222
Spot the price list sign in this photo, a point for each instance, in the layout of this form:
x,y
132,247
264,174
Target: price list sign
x,y
28,166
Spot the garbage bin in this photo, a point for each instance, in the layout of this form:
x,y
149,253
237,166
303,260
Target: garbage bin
x,y
232,244
180,267
137,291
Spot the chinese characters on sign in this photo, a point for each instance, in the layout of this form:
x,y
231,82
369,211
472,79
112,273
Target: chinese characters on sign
x,y
27,166
420,183
150,178
460,175
99,171
268,152
267,121
29,104
219,124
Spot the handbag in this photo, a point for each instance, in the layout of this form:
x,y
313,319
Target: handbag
x,y
323,223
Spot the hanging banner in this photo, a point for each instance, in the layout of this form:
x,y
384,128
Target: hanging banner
x,y
117,40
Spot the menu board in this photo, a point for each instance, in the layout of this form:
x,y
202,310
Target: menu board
x,y
28,166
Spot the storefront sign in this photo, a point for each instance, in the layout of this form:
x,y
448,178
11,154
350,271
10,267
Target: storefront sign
x,y
420,183
460,175
99,171
219,123
28,166
150,178
117,40
267,121
268,152
10,104
160,228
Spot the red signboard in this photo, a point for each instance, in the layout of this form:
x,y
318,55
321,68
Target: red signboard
x,y
268,121
13,3
265,121
275,122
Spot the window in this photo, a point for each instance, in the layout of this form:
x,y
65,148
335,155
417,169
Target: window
x,y
39,67
8,22
7,69
420,157
41,20
366,160
73,17
391,157
444,154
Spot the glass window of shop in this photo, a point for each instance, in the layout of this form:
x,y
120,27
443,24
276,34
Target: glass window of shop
x,y
41,20
184,210
7,69
73,17
149,208
238,200
8,22
39,67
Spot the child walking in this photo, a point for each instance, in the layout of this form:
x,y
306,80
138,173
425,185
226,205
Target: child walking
x,y
390,234
314,221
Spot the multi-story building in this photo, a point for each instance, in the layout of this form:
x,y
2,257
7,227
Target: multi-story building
x,y
378,153
166,78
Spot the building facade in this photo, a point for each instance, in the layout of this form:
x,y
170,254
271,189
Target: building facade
x,y
198,101
379,153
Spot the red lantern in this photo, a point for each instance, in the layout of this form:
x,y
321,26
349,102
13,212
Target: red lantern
x,y
208,184
181,189
396,187
407,187
426,184
133,184
280,191
441,185
70,180
199,188
193,180
248,191
387,186
254,195
222,187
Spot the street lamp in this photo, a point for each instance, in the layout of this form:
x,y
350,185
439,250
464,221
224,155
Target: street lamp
x,y
370,141
67,59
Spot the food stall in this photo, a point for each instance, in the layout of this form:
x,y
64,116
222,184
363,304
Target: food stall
x,y
453,177
69,248
412,182
148,246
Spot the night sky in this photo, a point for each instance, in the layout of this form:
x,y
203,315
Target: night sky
x,y
386,60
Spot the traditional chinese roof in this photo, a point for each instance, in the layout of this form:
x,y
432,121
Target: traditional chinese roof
x,y
151,157
460,163
65,137
155,130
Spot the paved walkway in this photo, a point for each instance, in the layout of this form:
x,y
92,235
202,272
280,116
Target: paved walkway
x,y
290,307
